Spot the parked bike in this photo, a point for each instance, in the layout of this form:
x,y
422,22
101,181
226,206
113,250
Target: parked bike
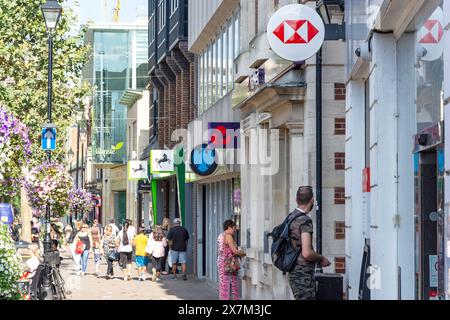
x,y
42,280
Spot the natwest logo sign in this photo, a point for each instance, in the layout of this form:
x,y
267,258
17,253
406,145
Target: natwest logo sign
x,y
295,32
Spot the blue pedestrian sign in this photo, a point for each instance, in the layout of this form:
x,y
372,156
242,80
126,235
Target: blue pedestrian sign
x,y
48,138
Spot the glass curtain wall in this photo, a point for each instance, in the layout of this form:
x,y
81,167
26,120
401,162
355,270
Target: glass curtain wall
x,y
216,64
111,79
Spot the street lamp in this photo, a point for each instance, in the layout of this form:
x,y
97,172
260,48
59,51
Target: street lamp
x,y
327,7
70,155
51,11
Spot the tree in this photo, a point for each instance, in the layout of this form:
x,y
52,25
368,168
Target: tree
x,y
23,70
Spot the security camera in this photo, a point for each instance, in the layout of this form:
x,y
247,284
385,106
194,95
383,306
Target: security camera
x,y
421,52
364,51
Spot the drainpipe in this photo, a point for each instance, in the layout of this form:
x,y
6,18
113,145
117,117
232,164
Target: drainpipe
x,y
319,150
397,215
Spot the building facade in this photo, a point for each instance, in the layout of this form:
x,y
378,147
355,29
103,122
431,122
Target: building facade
x,y
396,203
214,37
137,101
240,80
172,107
118,63
277,102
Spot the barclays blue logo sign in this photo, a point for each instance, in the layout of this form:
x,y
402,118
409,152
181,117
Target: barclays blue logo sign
x,y
203,160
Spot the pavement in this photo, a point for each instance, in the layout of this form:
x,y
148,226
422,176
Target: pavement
x,y
89,287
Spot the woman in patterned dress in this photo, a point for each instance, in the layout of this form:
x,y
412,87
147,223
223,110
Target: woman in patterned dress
x,y
227,248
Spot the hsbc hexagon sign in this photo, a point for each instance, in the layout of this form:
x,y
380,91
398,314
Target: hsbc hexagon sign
x,y
295,32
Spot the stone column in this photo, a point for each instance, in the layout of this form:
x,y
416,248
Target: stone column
x,y
295,157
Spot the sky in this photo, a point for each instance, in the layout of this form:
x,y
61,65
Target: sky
x,y
102,10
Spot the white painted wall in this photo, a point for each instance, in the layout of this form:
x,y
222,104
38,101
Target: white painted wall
x,y
354,162
383,159
205,17
406,131
138,112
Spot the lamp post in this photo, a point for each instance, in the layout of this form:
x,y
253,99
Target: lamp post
x,y
51,11
325,8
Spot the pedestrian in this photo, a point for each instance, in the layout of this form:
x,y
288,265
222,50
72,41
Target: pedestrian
x,y
34,234
84,236
228,262
166,225
140,242
68,231
159,247
75,256
108,246
15,230
301,279
131,227
178,238
124,241
112,223
99,228
96,237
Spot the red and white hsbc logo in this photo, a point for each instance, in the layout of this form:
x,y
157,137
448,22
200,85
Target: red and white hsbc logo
x,y
295,32
430,36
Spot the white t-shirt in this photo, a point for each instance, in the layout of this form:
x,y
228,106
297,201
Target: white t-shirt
x,y
133,229
131,234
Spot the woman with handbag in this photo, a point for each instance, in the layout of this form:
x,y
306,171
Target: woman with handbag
x,y
108,246
73,248
228,262
84,238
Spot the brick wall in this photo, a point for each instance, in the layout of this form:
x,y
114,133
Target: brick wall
x,y
339,91
339,126
176,98
339,264
339,160
339,230
339,195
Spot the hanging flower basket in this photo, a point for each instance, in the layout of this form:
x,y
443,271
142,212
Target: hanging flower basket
x,y
49,183
81,201
15,152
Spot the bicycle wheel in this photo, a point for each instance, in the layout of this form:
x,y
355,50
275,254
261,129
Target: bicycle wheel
x,y
58,284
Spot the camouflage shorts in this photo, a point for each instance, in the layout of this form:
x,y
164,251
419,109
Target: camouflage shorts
x,y
302,283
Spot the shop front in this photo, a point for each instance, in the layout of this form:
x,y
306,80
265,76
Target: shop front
x,y
428,158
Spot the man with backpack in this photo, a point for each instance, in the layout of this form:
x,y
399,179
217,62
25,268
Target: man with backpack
x,y
301,278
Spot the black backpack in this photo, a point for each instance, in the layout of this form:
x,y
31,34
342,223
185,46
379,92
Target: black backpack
x,y
284,255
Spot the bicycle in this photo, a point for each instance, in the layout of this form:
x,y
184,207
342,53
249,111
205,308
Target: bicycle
x,y
47,283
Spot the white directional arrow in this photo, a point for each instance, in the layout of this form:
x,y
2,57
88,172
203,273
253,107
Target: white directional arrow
x,y
49,137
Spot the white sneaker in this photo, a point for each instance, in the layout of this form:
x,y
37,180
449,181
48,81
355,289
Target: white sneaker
x,y
79,273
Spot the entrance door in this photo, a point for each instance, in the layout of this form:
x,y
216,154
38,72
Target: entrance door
x,y
120,207
429,227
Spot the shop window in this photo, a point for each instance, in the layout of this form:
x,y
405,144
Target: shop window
x,y
428,26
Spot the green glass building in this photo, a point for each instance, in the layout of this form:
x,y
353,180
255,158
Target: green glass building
x,y
118,63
